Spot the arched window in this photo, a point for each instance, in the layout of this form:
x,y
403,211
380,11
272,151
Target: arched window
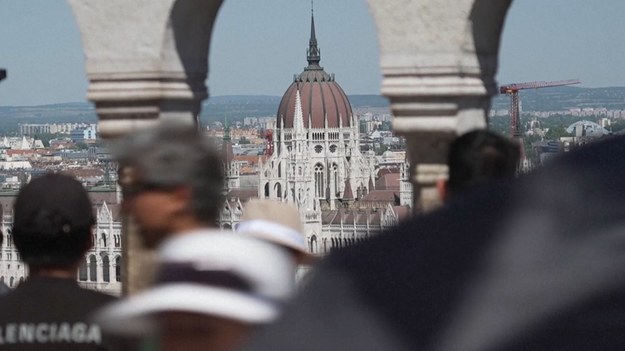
x,y
313,244
280,170
103,237
335,176
118,240
319,181
266,190
11,282
278,190
118,268
82,271
93,269
106,269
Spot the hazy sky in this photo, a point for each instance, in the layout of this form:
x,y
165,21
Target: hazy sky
x,y
258,46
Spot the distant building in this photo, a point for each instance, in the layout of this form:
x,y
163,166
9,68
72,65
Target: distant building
x,y
318,166
86,136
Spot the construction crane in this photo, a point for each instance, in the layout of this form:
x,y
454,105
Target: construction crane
x,y
513,91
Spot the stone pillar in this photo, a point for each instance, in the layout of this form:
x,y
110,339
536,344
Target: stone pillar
x,y
439,59
99,269
147,62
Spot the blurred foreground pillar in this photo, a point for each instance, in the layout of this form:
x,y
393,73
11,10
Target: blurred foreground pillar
x,y
438,59
147,61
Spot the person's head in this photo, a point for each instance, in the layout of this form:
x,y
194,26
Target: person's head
x,y
479,157
171,179
52,222
211,291
278,223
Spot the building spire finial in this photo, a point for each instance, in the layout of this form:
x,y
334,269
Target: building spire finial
x,y
314,54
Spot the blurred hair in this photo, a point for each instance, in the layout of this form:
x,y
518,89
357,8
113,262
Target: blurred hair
x,y
479,157
53,221
170,156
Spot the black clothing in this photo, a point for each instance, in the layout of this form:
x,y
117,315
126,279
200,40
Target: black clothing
x,y
50,314
4,288
533,264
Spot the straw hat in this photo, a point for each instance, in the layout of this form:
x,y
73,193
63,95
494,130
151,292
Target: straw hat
x,y
276,222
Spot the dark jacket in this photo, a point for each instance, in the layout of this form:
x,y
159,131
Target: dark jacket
x,y
534,264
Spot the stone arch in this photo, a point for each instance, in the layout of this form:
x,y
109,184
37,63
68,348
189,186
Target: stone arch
x,y
118,268
106,267
93,268
278,190
313,248
83,275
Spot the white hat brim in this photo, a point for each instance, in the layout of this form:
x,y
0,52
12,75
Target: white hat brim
x,y
135,314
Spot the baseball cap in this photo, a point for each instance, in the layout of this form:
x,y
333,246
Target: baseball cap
x,y
216,274
51,210
276,222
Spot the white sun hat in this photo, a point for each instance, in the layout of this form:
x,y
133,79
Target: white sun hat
x,y
221,275
276,222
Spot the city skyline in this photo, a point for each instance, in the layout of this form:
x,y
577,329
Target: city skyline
x,y
41,49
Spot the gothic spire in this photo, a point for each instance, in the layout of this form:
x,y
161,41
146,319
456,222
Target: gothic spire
x,y
314,54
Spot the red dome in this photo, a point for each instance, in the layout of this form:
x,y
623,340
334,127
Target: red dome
x,y
321,96
320,99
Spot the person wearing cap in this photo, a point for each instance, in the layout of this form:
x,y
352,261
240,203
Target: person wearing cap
x,y
210,292
171,180
278,223
52,230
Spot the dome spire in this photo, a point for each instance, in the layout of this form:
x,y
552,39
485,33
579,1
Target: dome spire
x,y
314,54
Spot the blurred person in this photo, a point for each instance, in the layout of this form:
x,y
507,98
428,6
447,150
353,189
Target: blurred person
x,y
211,292
278,223
171,180
533,263
477,158
52,231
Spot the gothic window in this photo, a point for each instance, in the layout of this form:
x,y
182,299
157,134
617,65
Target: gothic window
x,y
319,178
280,170
313,244
318,149
11,282
82,271
335,175
278,190
103,235
106,275
118,268
93,269
266,190
118,240
332,148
